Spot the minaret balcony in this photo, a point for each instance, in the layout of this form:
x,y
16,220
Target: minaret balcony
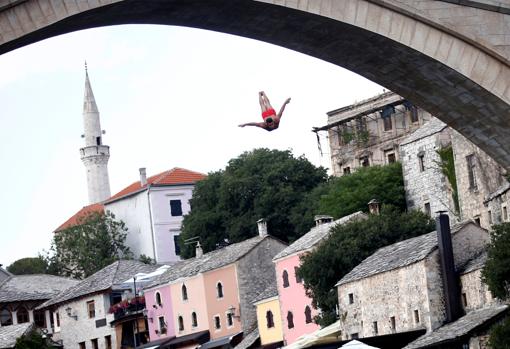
x,y
94,151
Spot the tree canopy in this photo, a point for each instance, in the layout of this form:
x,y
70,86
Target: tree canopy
x,y
95,242
258,184
348,245
29,265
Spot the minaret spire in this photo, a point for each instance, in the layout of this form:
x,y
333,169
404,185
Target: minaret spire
x,y
94,155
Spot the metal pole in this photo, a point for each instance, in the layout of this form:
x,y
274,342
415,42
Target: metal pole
x,y
136,311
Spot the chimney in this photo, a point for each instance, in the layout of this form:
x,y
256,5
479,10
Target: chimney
x,y
262,226
143,176
321,219
451,286
374,207
198,250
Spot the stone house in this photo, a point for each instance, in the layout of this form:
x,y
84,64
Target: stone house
x,y
212,292
20,296
269,318
401,288
83,316
152,209
426,186
369,132
296,307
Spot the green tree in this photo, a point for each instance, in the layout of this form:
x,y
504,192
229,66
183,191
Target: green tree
x,y
496,274
32,340
348,245
95,242
29,265
262,183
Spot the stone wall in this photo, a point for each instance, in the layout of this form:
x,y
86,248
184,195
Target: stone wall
x,y
474,291
427,184
84,329
255,271
487,177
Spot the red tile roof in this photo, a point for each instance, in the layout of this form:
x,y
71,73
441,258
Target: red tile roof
x,y
85,211
175,176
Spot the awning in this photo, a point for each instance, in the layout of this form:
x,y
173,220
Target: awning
x,y
155,344
197,338
219,342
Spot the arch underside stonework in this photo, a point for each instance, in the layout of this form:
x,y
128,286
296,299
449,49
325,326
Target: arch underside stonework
x,y
463,82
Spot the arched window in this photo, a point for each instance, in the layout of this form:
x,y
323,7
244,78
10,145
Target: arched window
x,y
269,318
158,299
308,315
5,317
290,320
219,290
285,277
39,318
194,321
22,315
180,321
184,292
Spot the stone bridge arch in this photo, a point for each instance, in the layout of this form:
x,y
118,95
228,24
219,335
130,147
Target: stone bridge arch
x,y
421,50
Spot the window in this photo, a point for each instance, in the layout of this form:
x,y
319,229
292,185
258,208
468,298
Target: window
x,y
98,140
413,111
94,343
421,162
393,323
290,320
108,342
158,299
217,322
219,290
285,277
387,123
308,315
82,345
298,279
477,220
162,324
363,161
374,327
490,216
177,247
184,293
175,208
269,319
91,309
40,318
391,158
470,160
230,320
354,335
5,317
416,316
464,300
57,315
194,320
504,213
427,209
180,321
347,170
351,298
22,315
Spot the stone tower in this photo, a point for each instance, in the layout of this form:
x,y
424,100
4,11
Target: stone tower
x,y
94,154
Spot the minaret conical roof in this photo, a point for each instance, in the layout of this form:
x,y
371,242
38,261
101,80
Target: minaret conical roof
x,y
89,102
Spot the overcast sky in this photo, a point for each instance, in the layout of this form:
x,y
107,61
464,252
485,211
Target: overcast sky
x,y
168,97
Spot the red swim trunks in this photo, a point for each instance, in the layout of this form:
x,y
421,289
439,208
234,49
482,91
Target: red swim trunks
x,y
268,113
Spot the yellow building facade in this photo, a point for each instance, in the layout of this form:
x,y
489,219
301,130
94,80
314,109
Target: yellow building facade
x,y
269,320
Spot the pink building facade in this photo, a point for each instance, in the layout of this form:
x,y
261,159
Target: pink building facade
x,y
158,303
295,306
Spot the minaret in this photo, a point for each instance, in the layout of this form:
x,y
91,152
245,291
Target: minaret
x,y
94,154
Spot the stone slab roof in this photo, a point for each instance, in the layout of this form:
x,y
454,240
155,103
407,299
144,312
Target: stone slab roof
x,y
316,235
209,261
269,292
9,334
397,255
474,263
19,288
111,275
457,329
500,191
431,127
248,340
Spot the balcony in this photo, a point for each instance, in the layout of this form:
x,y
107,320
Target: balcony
x,y
128,307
